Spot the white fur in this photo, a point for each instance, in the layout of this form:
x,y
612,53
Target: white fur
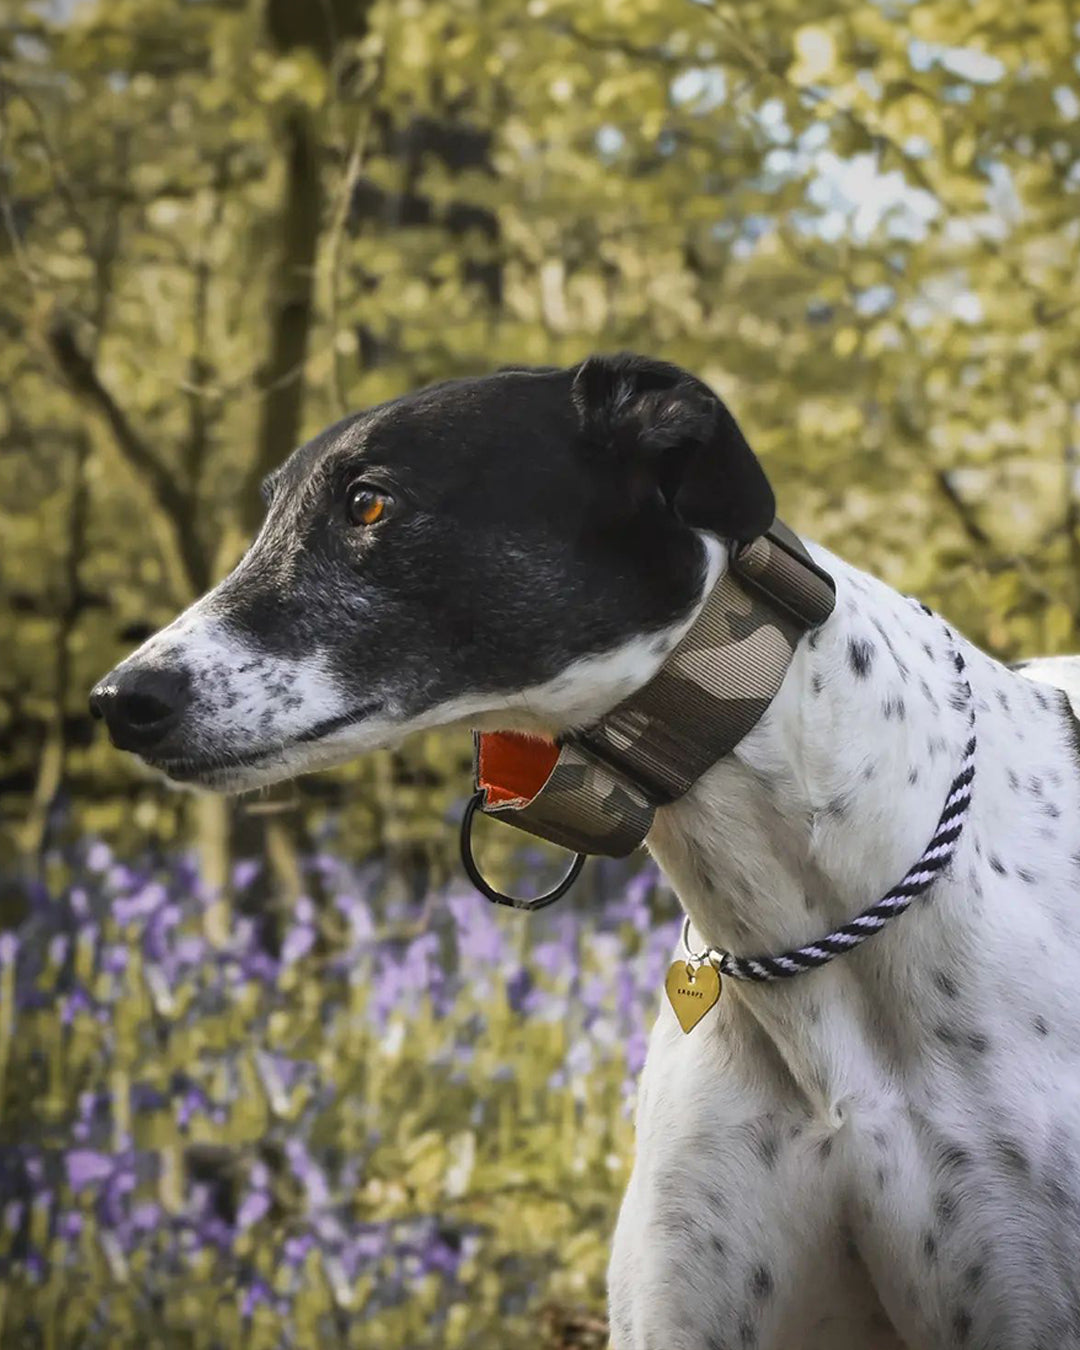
x,y
886,1151
1061,671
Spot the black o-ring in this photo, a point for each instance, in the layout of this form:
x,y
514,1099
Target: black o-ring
x,y
485,889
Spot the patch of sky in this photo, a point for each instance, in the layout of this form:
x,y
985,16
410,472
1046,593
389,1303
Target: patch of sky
x,y
702,87
1002,197
874,300
609,140
854,196
753,228
945,296
772,117
1068,105
922,55
967,62
815,137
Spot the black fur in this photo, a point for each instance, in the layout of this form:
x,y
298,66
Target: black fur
x,y
661,428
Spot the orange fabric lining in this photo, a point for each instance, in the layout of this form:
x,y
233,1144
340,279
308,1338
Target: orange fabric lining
x,y
513,767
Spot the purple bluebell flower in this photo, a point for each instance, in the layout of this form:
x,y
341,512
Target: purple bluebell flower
x,y
146,1216
98,857
78,1001
296,1248
256,1293
114,958
551,959
479,936
439,1257
192,1102
121,877
253,1207
299,940
58,948
636,1045
357,913
190,950
626,1000
144,1098
140,904
244,873
579,1057
118,1186
157,933
519,986
307,1172
87,1168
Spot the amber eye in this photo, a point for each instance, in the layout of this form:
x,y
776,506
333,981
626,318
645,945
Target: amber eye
x,y
366,504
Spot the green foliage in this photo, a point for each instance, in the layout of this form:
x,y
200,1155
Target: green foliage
x,y
225,225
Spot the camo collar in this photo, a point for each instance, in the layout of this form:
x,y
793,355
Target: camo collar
x,y
596,791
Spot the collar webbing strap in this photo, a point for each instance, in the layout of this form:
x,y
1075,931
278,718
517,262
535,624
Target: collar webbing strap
x,y
597,791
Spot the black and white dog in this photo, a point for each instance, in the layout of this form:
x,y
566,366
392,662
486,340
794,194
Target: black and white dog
x,y
883,1152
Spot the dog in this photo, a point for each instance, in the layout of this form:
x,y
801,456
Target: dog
x,y
882,1152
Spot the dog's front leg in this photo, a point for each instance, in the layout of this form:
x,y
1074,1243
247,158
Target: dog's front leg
x,y
732,1231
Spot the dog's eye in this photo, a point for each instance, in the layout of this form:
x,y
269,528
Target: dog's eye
x,y
366,504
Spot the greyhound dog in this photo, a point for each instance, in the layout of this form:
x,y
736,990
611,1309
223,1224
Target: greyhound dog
x,y
881,1152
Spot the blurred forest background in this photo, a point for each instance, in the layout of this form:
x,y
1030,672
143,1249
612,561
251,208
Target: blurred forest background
x,y
266,1072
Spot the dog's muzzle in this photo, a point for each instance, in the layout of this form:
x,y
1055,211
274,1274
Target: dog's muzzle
x,y
596,792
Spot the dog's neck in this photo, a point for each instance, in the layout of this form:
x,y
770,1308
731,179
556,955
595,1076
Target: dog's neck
x,y
833,795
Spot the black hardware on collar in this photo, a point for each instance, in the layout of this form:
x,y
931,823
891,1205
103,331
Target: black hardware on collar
x,y
476,802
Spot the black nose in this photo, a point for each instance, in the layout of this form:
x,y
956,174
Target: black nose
x,y
141,705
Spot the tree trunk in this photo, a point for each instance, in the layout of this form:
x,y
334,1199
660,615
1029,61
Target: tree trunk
x,y
34,833
291,307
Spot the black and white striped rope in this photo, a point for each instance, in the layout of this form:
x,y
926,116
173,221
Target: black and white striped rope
x,y
935,858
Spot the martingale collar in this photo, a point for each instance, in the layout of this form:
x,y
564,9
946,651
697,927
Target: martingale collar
x,y
596,791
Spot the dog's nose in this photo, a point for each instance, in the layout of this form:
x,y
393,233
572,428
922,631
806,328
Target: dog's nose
x,y
140,705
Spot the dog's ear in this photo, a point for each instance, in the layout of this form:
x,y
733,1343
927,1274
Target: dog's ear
x,y
665,429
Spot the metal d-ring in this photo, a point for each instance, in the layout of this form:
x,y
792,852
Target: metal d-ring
x,y
485,889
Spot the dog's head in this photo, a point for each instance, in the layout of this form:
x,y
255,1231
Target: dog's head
x,y
520,550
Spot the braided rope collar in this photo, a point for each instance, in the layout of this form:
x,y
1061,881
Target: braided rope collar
x,y
935,858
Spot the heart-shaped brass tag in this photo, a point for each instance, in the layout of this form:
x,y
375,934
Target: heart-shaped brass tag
x,y
692,992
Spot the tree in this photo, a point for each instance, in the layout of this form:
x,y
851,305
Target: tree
x,y
226,224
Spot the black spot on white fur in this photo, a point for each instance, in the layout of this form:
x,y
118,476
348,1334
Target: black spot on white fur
x,y
860,656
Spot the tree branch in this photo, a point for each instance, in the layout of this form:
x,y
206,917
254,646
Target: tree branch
x,y
175,507
963,512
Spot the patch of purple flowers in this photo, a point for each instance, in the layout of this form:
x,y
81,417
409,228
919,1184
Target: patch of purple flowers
x,y
346,1118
